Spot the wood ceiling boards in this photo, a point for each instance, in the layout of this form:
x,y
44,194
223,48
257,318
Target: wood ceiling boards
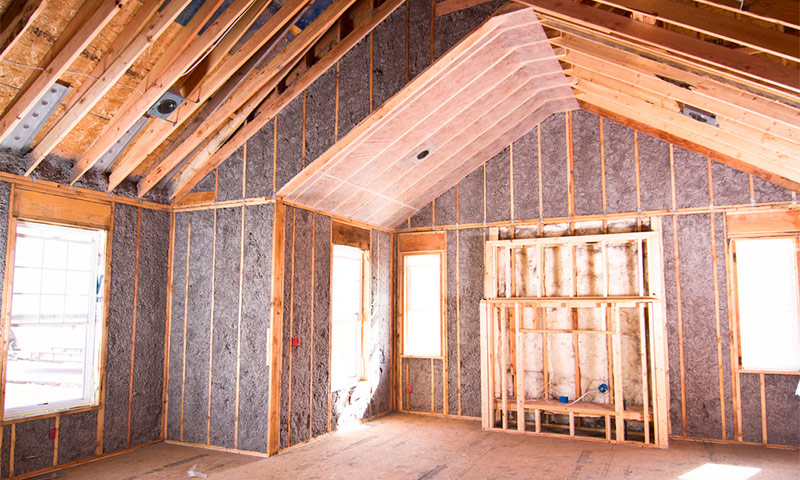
x,y
485,93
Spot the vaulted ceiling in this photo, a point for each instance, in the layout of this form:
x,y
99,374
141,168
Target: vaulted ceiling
x,y
715,76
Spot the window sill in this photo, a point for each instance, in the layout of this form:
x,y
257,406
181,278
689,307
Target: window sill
x,y
56,413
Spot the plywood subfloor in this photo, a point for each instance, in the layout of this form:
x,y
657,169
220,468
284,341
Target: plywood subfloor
x,y
402,446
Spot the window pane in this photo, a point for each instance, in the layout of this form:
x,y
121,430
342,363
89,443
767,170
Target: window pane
x,y
53,341
28,252
768,304
55,254
423,319
24,308
80,256
27,280
54,281
346,313
45,365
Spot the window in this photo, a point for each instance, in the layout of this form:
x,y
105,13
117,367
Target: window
x,y
347,313
767,299
422,302
55,325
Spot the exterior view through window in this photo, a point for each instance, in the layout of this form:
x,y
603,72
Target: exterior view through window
x,y
347,312
56,319
423,305
767,292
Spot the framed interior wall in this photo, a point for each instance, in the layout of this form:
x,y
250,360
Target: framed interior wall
x,y
573,337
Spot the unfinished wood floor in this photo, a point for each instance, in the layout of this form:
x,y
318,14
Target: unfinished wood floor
x,y
401,446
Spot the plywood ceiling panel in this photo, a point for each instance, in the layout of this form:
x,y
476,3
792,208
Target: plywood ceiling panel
x,y
486,92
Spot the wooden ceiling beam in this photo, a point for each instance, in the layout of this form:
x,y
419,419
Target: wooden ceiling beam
x,y
252,91
772,117
267,110
700,134
222,49
183,52
772,145
687,144
159,130
81,30
98,87
16,18
706,21
673,45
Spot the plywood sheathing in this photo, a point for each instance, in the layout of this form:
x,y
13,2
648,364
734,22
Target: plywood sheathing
x,y
198,328
226,316
230,177
260,163
151,306
256,305
77,436
177,326
120,328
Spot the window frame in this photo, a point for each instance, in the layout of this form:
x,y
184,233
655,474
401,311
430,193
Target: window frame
x,y
44,207
734,290
432,243
340,384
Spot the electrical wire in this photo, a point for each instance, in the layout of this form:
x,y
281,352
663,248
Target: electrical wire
x,y
69,71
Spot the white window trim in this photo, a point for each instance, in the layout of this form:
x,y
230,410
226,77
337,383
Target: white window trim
x,y
735,297
442,308
348,382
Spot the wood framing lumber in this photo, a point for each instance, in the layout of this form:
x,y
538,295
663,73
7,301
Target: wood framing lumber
x,y
186,49
158,131
223,47
763,114
254,89
15,20
678,136
671,44
81,30
702,20
276,361
264,113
